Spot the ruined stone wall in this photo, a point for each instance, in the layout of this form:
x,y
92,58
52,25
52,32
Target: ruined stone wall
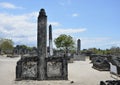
x,y
55,68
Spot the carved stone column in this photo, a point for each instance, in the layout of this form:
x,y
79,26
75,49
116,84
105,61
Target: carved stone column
x,y
78,46
42,43
50,41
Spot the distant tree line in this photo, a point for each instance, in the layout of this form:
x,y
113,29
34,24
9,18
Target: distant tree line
x,y
112,51
23,49
7,47
63,42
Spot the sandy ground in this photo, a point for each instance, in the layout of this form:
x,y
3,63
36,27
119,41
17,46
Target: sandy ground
x,y
80,72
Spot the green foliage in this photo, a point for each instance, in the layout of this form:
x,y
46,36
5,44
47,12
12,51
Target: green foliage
x,y
112,51
115,50
64,42
6,45
23,47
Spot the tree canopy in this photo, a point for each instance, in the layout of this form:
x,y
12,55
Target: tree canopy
x,y
64,42
6,44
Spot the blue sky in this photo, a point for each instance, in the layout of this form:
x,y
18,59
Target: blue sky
x,y
95,22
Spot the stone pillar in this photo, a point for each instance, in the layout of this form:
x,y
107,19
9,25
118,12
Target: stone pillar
x,y
50,41
42,43
78,46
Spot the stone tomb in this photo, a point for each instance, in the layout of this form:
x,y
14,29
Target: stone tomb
x,y
100,62
42,66
55,68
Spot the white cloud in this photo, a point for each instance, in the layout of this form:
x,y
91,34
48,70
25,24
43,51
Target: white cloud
x,y
9,5
75,15
69,31
33,14
20,28
54,23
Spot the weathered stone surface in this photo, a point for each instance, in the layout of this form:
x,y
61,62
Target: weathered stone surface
x,y
110,82
42,43
50,41
54,69
29,69
78,46
101,63
115,61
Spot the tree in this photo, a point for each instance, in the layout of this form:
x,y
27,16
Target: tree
x,y
6,45
64,42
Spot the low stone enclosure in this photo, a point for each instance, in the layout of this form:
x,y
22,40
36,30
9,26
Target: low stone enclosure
x,y
100,62
106,63
55,68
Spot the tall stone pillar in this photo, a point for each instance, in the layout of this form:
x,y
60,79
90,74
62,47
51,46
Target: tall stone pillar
x,y
78,46
42,43
50,41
